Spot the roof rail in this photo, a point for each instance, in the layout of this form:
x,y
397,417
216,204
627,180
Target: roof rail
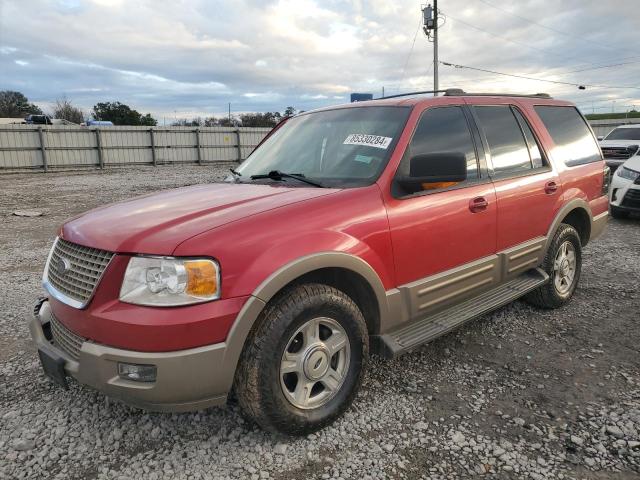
x,y
452,92
423,92
455,92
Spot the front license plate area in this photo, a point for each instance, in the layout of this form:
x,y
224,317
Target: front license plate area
x,y
53,366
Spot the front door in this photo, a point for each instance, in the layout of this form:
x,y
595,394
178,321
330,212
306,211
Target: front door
x,y
444,236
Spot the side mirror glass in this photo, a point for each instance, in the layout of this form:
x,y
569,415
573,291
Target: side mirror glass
x,y
434,168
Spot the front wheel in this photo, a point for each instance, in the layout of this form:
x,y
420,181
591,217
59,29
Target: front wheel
x,y
563,263
303,364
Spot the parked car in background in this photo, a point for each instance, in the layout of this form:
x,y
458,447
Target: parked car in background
x,y
373,226
38,120
98,123
624,194
620,144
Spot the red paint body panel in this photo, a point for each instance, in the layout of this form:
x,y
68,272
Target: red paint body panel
x,y
351,221
253,230
157,223
525,211
110,322
436,232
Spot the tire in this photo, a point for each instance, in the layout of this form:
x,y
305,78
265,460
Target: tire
x,y
618,212
281,340
557,292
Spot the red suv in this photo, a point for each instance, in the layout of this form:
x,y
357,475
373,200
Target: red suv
x,y
376,226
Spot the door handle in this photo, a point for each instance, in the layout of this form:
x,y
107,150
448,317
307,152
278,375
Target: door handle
x,y
550,188
478,204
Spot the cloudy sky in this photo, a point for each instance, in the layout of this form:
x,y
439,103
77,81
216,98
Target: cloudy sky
x,y
186,58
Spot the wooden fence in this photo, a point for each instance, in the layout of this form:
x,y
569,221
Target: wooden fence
x,y
45,148
29,147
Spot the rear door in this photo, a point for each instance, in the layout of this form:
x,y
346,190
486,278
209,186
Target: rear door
x,y
528,190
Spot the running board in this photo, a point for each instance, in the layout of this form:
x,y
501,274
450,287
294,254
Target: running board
x,y
417,333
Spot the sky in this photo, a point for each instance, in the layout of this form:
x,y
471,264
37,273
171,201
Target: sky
x,y
188,58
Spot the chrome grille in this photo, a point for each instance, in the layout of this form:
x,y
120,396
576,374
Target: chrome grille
x,y
65,339
619,153
73,271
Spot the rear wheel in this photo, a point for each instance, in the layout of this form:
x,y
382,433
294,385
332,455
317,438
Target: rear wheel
x,y
303,364
563,263
618,212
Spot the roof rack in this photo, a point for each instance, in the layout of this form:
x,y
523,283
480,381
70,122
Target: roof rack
x,y
423,92
454,92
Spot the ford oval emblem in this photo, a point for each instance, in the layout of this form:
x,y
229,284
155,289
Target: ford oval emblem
x,y
63,266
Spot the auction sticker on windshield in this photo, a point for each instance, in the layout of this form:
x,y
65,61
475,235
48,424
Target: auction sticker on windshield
x,y
368,140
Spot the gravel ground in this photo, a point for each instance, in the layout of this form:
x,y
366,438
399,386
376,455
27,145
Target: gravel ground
x,y
520,393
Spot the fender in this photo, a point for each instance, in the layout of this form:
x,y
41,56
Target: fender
x,y
316,261
273,284
562,213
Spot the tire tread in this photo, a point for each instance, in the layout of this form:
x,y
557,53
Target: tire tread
x,y
261,408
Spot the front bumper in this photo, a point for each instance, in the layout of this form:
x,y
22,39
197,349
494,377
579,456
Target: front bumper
x,y
186,380
624,194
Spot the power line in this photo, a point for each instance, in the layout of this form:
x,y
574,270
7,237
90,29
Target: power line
x,y
600,66
406,63
542,50
551,29
515,42
558,82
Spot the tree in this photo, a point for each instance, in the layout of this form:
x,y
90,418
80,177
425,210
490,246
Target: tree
x,y
196,122
228,122
147,120
65,110
121,114
289,112
15,104
267,119
211,122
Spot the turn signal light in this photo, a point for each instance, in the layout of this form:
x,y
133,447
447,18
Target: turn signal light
x,y
202,278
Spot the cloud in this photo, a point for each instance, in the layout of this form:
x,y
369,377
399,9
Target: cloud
x,y
195,57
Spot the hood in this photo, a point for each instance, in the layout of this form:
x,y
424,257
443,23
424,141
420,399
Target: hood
x,y
633,163
158,223
618,143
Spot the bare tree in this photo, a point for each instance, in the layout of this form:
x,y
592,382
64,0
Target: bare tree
x,y
65,110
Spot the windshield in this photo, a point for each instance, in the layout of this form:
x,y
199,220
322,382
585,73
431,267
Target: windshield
x,y
345,147
624,134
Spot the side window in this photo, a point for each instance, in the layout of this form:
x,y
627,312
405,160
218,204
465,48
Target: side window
x,y
575,144
534,149
509,151
443,130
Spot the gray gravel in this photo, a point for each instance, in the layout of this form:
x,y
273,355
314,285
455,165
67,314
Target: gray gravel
x,y
519,393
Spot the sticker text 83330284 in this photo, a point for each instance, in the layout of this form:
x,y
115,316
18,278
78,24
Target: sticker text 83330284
x,y
368,140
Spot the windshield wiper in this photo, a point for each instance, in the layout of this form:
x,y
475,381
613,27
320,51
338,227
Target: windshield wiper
x,y
237,174
278,175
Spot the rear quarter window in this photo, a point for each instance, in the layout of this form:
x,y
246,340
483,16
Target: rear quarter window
x,y
574,143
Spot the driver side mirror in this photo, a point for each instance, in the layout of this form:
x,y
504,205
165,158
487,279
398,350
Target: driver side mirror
x,y
439,167
600,137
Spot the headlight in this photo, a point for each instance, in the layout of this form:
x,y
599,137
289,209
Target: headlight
x,y
628,173
164,281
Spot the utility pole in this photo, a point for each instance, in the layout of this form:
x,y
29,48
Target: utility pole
x,y
229,113
430,28
435,47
